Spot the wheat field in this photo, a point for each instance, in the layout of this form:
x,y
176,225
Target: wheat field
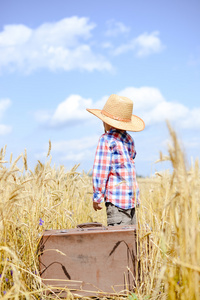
x,y
54,198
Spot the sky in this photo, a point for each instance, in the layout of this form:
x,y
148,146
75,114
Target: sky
x,y
58,58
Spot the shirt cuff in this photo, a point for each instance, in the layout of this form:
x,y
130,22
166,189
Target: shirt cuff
x,y
98,197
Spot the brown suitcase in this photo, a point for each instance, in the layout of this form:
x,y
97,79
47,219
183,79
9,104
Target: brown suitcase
x,y
91,260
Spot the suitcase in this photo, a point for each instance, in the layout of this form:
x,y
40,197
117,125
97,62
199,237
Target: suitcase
x,y
91,260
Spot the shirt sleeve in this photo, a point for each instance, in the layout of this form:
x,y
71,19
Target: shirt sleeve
x,y
101,170
132,150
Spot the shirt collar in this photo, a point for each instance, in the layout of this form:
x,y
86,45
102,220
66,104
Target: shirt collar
x,y
119,131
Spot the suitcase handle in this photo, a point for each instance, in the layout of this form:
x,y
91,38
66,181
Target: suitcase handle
x,y
89,225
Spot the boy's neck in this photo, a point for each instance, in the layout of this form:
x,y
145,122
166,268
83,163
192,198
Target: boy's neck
x,y
115,129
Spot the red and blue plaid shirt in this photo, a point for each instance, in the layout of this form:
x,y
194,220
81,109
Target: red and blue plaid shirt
x,y
114,175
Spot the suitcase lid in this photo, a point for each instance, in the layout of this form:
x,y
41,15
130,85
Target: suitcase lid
x,y
90,228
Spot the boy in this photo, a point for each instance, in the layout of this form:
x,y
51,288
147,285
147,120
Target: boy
x,y
114,175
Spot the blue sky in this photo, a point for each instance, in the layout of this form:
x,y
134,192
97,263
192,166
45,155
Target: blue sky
x,y
58,58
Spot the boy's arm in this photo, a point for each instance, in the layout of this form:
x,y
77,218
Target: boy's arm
x,y
101,170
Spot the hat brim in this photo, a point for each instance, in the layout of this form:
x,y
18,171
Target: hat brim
x,y
136,123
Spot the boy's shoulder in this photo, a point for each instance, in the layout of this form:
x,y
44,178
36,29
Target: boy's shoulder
x,y
107,136
116,135
111,134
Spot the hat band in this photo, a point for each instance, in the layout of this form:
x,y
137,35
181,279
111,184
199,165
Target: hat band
x,y
105,113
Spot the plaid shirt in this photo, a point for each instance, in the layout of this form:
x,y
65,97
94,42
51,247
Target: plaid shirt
x,y
114,175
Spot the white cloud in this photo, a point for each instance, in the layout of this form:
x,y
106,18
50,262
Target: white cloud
x,y
116,28
149,104
107,45
66,45
75,144
60,45
148,43
144,45
192,119
71,110
144,98
14,35
76,149
5,129
166,111
4,105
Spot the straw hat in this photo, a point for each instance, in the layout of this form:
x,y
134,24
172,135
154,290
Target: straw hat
x,y
117,112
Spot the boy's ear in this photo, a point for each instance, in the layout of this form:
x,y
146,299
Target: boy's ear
x,y
106,126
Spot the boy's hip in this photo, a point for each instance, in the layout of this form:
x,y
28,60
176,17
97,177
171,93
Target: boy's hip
x,y
120,216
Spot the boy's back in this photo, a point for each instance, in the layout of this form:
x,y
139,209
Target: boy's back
x,y
114,176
